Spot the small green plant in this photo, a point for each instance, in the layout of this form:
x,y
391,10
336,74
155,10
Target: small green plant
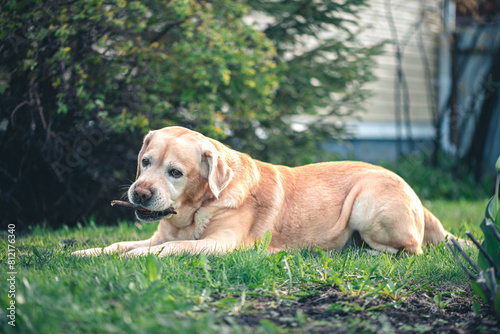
x,y
263,244
440,301
325,269
487,280
153,268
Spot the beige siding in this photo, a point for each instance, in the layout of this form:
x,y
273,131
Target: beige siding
x,y
417,24
413,22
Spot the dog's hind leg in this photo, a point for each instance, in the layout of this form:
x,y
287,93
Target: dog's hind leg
x,y
389,224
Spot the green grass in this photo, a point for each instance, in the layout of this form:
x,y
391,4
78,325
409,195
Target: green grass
x,y
58,293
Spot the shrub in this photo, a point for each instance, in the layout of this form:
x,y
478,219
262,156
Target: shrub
x,y
444,180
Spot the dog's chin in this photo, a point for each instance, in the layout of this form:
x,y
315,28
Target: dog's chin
x,y
153,216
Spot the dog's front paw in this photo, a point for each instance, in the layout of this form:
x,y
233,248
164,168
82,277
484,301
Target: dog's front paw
x,y
142,251
88,252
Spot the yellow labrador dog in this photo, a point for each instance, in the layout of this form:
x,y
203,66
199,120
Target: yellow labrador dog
x,y
224,199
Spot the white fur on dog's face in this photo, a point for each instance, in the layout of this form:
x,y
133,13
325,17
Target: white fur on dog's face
x,y
178,169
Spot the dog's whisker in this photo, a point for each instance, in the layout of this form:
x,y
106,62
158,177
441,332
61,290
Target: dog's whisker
x,y
124,186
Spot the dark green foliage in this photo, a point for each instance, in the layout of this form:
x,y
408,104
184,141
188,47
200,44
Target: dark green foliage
x,y
486,282
82,81
490,243
442,181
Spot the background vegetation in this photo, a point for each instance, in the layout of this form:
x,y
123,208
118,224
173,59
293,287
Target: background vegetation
x,y
82,81
448,178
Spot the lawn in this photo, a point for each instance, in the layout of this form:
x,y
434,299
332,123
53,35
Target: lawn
x,y
242,291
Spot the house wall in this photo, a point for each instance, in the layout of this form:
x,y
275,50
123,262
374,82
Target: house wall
x,y
413,27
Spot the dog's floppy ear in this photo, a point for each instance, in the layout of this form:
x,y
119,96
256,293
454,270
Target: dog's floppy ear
x,y
145,144
215,169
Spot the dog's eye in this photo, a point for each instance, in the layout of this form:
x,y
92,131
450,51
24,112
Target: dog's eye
x,y
146,162
175,173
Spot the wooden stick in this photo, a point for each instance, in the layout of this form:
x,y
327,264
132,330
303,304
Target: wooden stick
x,y
128,205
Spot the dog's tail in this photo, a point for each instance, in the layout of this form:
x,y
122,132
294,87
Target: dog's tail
x,y
434,232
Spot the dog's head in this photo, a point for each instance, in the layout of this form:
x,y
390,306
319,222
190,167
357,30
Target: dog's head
x,y
177,170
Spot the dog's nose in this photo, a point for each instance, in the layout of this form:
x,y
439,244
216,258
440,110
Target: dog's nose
x,y
142,194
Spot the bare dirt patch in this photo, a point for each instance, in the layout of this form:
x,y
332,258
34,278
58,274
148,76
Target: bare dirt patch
x,y
333,311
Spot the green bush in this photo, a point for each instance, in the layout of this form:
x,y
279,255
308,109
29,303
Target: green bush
x,y
446,180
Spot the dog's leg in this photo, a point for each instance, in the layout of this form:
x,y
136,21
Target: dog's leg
x,y
384,235
389,223
119,247
221,235
209,245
